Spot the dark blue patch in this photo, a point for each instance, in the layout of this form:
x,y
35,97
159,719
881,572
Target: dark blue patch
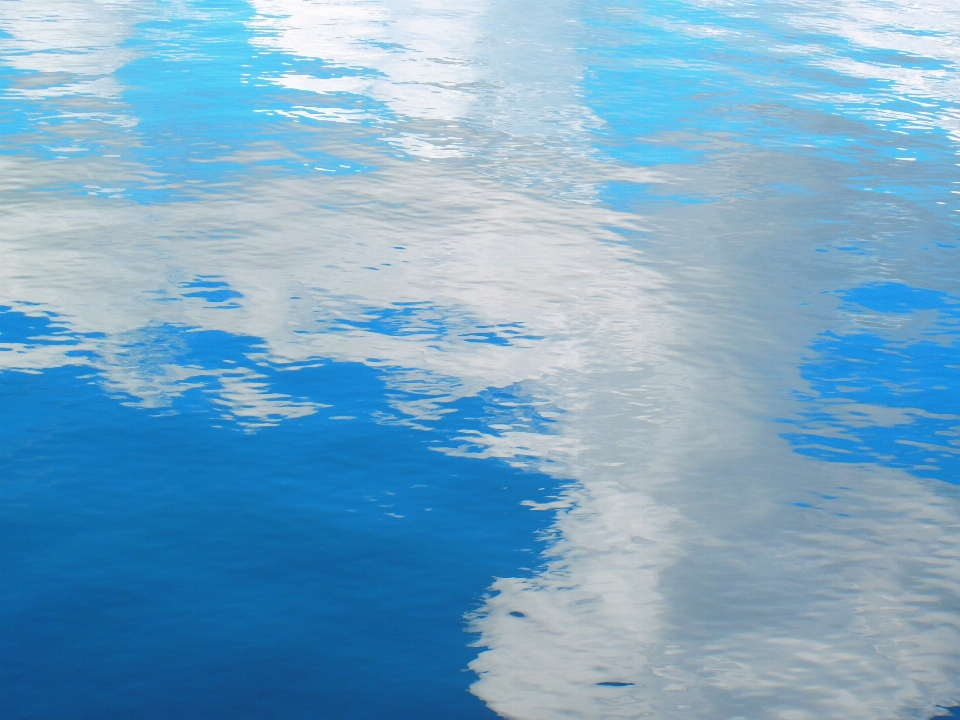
x,y
429,321
899,298
157,566
18,327
212,290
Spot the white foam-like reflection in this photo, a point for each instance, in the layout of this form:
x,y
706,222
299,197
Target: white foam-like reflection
x,y
415,57
909,51
78,40
909,35
684,578
469,75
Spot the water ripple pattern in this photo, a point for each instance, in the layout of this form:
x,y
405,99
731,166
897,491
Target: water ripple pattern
x,y
416,359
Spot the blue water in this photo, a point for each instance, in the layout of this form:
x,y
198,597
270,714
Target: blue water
x,y
323,566
918,375
406,360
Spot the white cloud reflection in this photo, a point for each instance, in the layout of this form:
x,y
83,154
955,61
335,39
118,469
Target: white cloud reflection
x,y
908,51
916,52
79,40
685,578
469,76
417,57
705,588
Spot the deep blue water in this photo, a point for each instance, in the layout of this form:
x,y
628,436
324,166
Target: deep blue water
x,y
918,375
157,566
307,308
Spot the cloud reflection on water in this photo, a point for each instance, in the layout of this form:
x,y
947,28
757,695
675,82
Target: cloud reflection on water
x,y
411,56
698,566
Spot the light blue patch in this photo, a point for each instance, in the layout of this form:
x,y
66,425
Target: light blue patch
x,y
918,378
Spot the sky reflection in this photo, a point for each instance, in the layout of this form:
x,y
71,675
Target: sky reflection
x,y
680,276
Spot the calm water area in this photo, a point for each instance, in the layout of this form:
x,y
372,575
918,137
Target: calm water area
x,y
422,360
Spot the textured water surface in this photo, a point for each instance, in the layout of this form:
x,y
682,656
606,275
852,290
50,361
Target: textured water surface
x,y
407,359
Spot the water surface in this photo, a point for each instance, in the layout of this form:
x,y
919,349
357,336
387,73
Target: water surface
x,y
409,359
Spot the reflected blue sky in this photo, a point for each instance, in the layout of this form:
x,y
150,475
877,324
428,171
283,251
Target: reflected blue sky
x,y
134,586
258,572
889,400
332,330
